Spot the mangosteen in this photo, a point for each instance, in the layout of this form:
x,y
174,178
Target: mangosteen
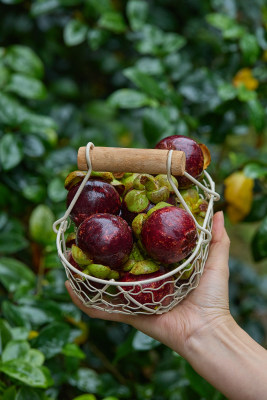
x,y
106,238
97,196
193,153
149,293
169,234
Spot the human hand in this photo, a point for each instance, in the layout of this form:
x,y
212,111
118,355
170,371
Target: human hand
x,y
202,310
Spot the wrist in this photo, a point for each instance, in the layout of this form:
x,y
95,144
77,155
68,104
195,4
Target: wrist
x,y
214,329
229,359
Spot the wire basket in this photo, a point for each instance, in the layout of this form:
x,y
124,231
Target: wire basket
x,y
123,297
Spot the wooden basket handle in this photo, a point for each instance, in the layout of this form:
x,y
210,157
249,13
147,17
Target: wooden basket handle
x,y
115,159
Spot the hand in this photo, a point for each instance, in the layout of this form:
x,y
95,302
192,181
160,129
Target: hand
x,y
203,309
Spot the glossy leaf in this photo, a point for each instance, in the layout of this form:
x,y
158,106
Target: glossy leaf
x,y
10,151
72,350
26,373
27,393
26,86
143,342
11,242
56,190
137,11
155,42
52,339
129,98
86,380
5,334
15,349
250,48
15,274
75,32
112,21
23,59
146,83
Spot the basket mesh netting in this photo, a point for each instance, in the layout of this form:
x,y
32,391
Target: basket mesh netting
x,y
174,285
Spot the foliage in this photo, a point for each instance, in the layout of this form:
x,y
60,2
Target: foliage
x,y
126,74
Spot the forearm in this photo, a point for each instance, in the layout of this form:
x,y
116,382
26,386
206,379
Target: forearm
x,y
230,360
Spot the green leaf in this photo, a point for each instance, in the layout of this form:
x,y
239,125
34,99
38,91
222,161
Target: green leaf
x,y
56,190
137,11
85,397
52,339
112,21
40,224
34,192
145,82
254,170
202,387
5,334
259,242
23,59
155,41
4,76
13,113
144,342
256,114
28,374
10,394
234,32
11,152
20,333
34,357
41,7
97,37
129,98
15,349
220,21
74,32
72,350
32,146
27,393
245,94
11,1
156,124
12,314
227,91
250,48
86,380
14,274
12,242
39,312
26,86
150,66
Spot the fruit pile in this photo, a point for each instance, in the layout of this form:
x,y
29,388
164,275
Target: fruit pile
x,y
131,227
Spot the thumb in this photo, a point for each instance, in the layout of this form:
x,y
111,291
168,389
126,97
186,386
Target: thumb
x,y
219,248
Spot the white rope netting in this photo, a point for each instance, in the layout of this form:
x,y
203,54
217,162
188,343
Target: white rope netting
x,y
122,297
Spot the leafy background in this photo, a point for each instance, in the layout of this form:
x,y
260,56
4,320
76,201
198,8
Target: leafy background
x,y
121,73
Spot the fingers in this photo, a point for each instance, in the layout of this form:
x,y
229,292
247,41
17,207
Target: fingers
x,y
94,313
220,244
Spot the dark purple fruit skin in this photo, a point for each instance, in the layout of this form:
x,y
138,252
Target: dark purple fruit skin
x,y
194,156
146,297
97,197
106,238
169,235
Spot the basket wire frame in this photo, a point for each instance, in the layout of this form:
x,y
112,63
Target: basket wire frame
x,y
122,297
